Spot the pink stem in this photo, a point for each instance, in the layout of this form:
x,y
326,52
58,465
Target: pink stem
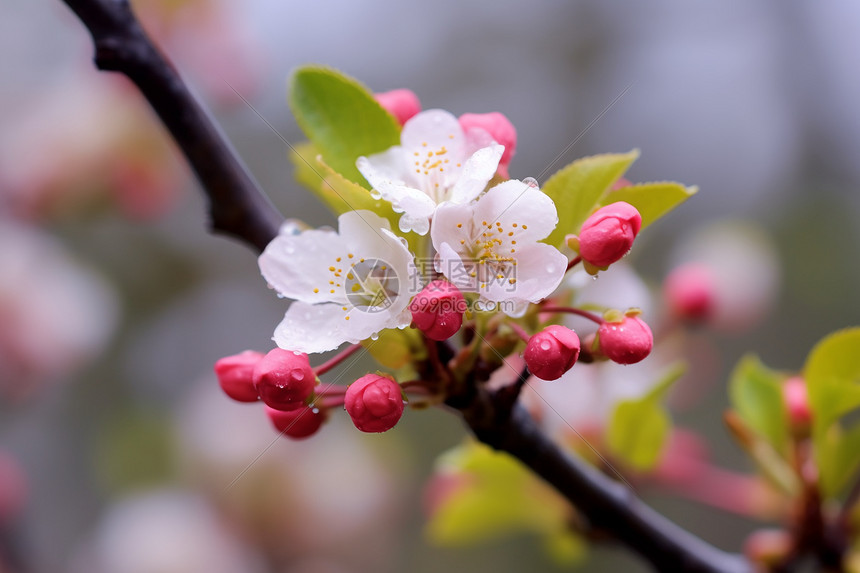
x,y
573,263
520,331
578,311
326,366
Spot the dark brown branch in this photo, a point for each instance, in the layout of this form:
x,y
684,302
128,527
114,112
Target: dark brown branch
x,y
237,207
606,504
240,209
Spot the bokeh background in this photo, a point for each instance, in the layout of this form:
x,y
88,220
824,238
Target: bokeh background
x,y
119,452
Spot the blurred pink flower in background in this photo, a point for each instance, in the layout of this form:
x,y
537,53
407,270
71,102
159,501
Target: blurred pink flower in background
x,y
90,139
332,496
55,313
166,530
742,263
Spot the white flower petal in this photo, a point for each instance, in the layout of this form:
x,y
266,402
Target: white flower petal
x,y
452,223
431,130
388,167
540,269
519,207
311,328
296,265
476,173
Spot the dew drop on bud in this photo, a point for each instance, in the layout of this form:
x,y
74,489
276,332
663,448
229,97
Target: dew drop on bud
x,y
531,182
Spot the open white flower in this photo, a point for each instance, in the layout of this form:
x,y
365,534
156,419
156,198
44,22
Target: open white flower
x,y
435,162
491,246
348,285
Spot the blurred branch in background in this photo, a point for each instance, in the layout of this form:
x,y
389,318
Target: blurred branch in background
x,y
240,209
237,206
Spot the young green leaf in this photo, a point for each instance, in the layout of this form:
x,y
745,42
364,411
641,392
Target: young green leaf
x,y
652,200
639,428
578,188
832,374
494,495
395,348
756,394
341,118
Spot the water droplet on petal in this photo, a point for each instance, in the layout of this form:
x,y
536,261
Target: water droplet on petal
x,y
531,182
375,194
545,345
550,268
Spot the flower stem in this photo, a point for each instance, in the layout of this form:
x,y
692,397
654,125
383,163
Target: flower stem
x,y
577,311
326,366
573,263
519,331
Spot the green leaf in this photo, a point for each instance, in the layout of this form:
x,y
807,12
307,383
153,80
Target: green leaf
x,y
637,433
653,200
836,452
565,547
832,374
756,394
395,347
578,188
494,495
341,118
638,428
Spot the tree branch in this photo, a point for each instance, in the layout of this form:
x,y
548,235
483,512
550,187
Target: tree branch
x,y
238,208
608,505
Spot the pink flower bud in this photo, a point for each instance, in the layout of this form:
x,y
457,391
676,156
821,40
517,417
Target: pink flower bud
x,y
438,310
689,292
284,379
500,129
796,398
299,423
374,403
625,342
608,234
402,104
552,352
236,375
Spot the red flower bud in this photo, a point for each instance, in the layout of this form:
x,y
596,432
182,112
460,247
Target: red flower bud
x,y
374,403
552,352
236,375
284,379
500,129
297,424
402,104
608,234
796,398
689,292
625,342
438,310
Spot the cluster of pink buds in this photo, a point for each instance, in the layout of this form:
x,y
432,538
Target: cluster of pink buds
x,y
288,386
607,235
